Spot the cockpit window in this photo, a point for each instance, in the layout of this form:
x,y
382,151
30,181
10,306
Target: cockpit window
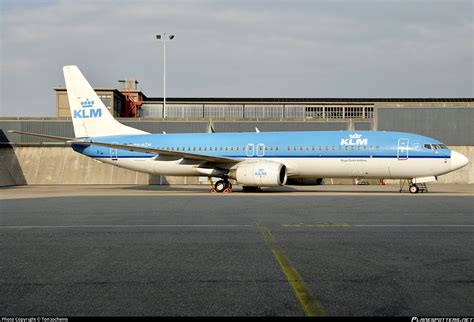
x,y
435,146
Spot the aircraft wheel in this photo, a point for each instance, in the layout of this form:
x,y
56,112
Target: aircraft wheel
x,y
220,186
414,189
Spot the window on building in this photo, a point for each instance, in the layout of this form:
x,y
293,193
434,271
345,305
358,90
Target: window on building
x,y
314,112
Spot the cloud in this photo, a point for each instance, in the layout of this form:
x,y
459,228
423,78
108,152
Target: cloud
x,y
238,49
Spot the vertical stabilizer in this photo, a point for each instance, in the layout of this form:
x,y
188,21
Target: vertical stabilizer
x,y
89,115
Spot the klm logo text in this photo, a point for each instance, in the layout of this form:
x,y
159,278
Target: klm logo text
x,y
354,139
87,110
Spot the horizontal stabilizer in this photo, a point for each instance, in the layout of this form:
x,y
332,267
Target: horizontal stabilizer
x,y
52,137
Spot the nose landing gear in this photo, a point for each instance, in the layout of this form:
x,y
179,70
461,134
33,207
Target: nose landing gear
x,y
414,187
418,187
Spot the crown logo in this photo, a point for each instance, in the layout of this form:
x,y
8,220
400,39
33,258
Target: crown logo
x,y
355,136
87,103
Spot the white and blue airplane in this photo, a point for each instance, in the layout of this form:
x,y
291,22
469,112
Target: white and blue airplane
x,y
253,159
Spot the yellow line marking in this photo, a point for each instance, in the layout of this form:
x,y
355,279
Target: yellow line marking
x,y
324,225
311,306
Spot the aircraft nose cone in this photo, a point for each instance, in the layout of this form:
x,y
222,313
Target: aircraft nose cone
x,y
458,160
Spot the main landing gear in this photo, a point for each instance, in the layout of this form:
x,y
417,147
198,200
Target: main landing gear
x,y
223,186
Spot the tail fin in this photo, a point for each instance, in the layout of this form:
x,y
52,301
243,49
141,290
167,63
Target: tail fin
x,y
89,115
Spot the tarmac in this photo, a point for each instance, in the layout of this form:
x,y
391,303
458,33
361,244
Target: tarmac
x,y
291,251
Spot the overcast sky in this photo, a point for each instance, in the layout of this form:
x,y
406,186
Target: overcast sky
x,y
346,48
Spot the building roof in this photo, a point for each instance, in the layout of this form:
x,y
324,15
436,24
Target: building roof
x,y
307,100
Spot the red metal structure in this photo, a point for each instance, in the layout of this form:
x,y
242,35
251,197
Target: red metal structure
x,y
132,104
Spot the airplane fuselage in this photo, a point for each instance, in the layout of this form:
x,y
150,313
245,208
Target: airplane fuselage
x,y
336,154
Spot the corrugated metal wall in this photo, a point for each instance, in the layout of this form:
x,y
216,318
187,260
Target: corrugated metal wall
x,y
64,128
167,126
49,127
362,126
278,126
452,126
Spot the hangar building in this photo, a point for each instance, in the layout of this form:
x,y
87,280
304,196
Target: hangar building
x,y
33,161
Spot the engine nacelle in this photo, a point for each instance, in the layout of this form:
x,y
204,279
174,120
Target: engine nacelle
x,y
260,174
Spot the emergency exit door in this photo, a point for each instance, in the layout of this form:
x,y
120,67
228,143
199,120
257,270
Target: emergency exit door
x,y
402,151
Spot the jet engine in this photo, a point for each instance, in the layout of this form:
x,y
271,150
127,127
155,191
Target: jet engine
x,y
260,174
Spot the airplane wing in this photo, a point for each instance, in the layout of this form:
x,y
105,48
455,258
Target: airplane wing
x,y
181,154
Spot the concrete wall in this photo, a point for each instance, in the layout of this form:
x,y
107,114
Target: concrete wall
x,y
61,165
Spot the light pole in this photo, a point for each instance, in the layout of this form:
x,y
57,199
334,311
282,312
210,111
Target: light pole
x,y
164,37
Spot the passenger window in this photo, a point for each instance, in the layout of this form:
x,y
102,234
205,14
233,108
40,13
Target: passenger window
x,y
276,148
312,148
301,148
237,149
199,148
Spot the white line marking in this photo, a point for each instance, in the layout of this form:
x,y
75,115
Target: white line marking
x,y
125,226
421,225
